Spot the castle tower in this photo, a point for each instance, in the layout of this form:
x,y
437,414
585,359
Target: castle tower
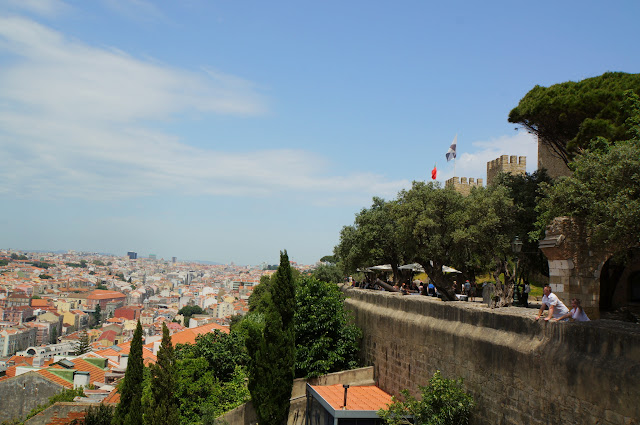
x,y
462,185
506,164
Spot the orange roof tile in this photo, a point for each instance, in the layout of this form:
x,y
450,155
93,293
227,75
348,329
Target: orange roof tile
x,y
366,397
188,336
54,378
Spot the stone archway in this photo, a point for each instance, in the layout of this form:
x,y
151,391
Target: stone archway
x,y
574,267
620,285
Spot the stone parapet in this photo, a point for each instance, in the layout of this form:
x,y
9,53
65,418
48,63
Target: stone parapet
x,y
506,164
519,371
462,184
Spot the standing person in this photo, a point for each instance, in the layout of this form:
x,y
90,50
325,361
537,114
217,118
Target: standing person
x,y
525,294
576,313
467,287
557,309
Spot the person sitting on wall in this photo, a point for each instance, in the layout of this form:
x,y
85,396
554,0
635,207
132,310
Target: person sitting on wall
x,y
576,313
557,309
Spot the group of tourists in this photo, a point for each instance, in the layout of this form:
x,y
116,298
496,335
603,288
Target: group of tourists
x,y
558,311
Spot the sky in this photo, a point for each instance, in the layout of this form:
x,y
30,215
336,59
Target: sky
x,y
228,131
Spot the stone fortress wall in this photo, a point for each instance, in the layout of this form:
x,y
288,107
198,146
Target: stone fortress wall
x,y
506,164
519,371
462,185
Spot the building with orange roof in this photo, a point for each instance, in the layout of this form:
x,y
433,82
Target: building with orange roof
x,y
346,405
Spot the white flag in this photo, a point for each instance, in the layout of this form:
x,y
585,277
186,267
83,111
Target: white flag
x,y
451,153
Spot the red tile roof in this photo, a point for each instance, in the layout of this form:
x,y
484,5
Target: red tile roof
x,y
366,397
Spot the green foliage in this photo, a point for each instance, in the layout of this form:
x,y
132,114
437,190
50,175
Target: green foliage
x,y
163,407
272,350
97,314
223,352
329,259
45,276
525,190
328,273
100,415
98,263
4,263
442,227
15,256
260,297
64,396
41,264
129,410
81,264
604,190
83,346
569,115
443,402
325,340
189,310
373,239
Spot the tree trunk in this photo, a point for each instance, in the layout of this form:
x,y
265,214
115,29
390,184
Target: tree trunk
x,y
439,280
502,293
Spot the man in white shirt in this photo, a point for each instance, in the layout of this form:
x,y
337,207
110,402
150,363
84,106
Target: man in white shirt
x,y
557,308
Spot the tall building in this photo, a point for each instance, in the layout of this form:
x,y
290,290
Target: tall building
x,y
132,255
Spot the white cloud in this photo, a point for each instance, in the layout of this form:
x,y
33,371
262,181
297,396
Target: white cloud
x,y
71,125
47,8
475,164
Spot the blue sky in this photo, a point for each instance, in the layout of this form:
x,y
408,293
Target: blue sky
x,y
228,130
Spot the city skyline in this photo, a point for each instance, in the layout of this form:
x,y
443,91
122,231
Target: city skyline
x,y
226,132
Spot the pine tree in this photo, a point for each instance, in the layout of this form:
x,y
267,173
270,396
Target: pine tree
x,y
83,344
163,408
97,314
272,351
129,411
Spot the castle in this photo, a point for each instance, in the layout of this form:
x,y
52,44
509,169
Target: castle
x,y
504,164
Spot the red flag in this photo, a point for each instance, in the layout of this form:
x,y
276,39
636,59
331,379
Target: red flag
x,y
434,172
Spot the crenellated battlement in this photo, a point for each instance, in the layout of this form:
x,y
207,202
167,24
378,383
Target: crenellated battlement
x,y
462,184
506,164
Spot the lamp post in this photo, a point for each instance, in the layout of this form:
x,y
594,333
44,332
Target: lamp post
x,y
516,247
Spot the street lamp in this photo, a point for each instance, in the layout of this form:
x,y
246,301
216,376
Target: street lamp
x,y
516,247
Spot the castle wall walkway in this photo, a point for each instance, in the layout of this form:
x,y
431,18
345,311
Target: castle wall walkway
x,y
519,371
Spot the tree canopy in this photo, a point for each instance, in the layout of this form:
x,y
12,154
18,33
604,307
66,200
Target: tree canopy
x,y
129,410
373,239
604,190
272,349
569,115
163,408
326,341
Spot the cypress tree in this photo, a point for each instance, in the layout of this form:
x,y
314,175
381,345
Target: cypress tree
x,y
129,411
83,346
163,408
272,351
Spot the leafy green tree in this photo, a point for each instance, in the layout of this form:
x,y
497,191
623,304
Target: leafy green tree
x,y
442,402
163,408
329,259
189,310
99,415
568,116
440,227
328,273
373,239
98,263
129,410
326,341
272,350
97,314
223,352
525,190
45,276
260,297
83,345
604,190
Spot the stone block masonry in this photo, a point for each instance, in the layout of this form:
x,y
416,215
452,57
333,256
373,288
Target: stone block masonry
x,y
519,371
506,164
462,185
